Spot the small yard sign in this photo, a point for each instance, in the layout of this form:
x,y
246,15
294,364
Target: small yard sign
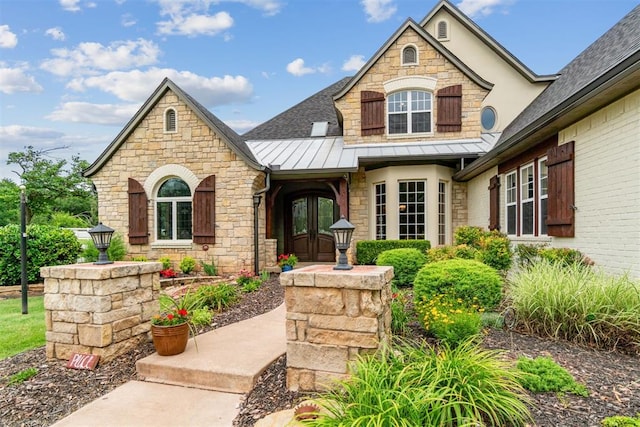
x,y
83,361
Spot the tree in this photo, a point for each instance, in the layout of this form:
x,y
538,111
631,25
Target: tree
x,y
54,185
9,202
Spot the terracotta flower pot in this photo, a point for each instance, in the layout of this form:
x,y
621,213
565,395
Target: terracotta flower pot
x,y
170,340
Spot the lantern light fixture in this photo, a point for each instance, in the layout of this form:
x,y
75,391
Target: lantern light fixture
x,y
101,236
342,232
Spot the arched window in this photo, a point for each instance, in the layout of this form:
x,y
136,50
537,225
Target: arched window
x,y
409,112
170,120
443,30
173,210
409,55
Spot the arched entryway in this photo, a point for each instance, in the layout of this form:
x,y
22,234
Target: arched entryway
x,y
308,217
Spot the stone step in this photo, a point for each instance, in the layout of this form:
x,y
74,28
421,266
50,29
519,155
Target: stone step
x,y
228,359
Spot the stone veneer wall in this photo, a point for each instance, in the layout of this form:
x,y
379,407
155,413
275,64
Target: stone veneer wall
x,y
430,64
196,147
99,309
332,317
459,208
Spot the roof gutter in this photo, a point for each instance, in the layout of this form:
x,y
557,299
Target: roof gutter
x,y
602,83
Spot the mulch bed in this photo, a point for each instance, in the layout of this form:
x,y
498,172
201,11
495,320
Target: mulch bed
x,y
613,378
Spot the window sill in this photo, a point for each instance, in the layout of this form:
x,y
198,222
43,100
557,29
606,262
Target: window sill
x,y
178,244
530,238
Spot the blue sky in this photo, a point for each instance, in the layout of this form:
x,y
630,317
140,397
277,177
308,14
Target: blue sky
x,y
73,72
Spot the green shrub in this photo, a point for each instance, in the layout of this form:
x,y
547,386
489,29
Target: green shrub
x,y
217,297
449,320
187,264
368,250
442,253
209,269
621,421
530,254
471,281
140,258
116,251
577,303
405,262
201,316
542,374
61,219
468,235
495,251
416,385
166,262
46,246
399,315
252,286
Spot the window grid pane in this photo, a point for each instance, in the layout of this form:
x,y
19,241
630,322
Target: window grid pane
x,y
165,221
381,211
409,112
442,209
544,173
411,217
511,200
527,188
183,220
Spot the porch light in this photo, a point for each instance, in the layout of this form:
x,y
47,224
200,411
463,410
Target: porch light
x,y
101,236
342,232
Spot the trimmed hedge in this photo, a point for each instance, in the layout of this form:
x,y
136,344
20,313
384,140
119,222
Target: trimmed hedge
x,y
469,280
368,250
405,262
46,246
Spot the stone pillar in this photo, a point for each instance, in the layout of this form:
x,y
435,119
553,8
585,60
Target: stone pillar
x,y
99,309
332,317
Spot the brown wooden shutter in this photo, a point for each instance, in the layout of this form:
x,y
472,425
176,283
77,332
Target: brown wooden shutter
x,y
449,109
204,211
494,203
138,223
371,113
561,198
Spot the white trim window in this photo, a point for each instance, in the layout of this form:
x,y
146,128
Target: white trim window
x,y
511,200
381,211
409,112
543,177
442,212
527,200
173,211
412,217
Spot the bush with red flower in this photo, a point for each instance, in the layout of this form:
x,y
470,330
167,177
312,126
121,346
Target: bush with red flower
x,y
287,259
168,273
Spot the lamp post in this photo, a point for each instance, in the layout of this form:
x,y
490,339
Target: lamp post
x,y
101,236
342,231
23,249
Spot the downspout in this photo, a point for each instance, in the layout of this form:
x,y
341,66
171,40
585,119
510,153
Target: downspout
x,y
257,196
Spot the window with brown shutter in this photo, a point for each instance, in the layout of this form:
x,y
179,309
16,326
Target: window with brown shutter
x,y
494,203
449,109
371,112
138,224
561,198
204,210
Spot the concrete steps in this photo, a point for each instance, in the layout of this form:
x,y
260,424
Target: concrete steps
x,y
229,359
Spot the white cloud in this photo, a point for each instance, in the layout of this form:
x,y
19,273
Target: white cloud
x,y
55,33
241,126
190,18
478,8
354,63
70,5
8,39
16,79
136,85
89,57
26,133
378,10
127,20
85,112
297,68
270,7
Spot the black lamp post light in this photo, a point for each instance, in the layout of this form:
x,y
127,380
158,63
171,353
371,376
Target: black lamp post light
x,y
101,236
342,232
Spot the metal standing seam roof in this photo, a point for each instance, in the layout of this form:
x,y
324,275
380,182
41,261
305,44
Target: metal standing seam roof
x,y
329,154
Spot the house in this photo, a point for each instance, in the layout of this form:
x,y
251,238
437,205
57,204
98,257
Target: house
x,y
442,127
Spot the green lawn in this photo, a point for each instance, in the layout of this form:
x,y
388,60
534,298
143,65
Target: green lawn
x,y
20,332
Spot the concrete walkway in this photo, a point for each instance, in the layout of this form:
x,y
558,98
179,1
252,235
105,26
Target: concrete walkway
x,y
195,388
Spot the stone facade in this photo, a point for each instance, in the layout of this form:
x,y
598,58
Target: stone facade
x,y
195,148
332,317
99,309
430,64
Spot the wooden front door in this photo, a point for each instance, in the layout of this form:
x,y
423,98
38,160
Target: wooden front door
x,y
308,222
